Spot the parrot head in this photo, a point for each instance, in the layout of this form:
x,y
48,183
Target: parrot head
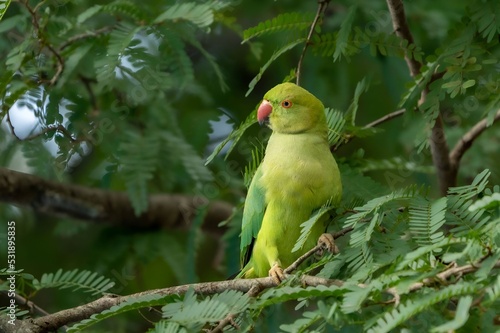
x,y
288,108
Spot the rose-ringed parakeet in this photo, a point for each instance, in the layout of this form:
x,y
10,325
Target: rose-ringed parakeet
x,y
297,176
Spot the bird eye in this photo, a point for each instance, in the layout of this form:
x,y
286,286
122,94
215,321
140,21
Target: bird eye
x,y
286,104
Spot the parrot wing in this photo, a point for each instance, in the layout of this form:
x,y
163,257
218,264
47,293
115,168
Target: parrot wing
x,y
253,213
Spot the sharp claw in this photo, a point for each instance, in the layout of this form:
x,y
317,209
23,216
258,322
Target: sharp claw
x,y
328,243
276,272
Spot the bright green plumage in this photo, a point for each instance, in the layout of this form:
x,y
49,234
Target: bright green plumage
x,y
297,176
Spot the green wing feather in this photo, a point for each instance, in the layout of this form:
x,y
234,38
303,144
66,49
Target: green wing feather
x,y
253,213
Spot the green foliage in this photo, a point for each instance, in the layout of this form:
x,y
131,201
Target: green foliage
x,y
285,48
86,281
133,303
307,226
251,168
391,319
283,22
426,219
193,314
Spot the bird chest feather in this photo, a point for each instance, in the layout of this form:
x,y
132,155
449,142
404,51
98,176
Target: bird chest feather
x,y
294,169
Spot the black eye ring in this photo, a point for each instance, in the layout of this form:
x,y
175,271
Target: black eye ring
x,y
286,104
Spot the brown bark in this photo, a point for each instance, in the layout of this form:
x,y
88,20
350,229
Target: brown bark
x,y
92,204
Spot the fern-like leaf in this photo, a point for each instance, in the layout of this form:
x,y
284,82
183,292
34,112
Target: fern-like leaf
x,y
351,112
287,293
359,257
190,159
342,41
285,21
251,167
488,202
357,188
354,298
194,314
200,14
336,123
133,303
275,56
77,280
119,41
461,316
139,157
165,326
493,291
308,319
460,199
125,7
374,205
306,227
234,136
487,18
426,218
392,319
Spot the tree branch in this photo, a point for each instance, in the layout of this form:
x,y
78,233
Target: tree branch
x,y
84,35
438,144
42,39
250,286
401,29
385,118
312,251
91,204
56,320
467,139
440,156
58,128
322,4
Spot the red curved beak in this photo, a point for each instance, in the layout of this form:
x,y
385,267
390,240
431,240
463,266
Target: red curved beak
x,y
263,112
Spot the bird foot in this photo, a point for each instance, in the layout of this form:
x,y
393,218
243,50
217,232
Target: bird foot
x,y
276,272
327,243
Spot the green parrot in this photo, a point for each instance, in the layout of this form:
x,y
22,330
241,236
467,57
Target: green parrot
x,y
297,176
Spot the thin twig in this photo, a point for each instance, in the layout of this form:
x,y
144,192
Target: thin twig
x,y
84,35
59,128
312,251
374,123
468,138
322,4
253,292
9,122
93,101
385,118
43,41
60,65
20,300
